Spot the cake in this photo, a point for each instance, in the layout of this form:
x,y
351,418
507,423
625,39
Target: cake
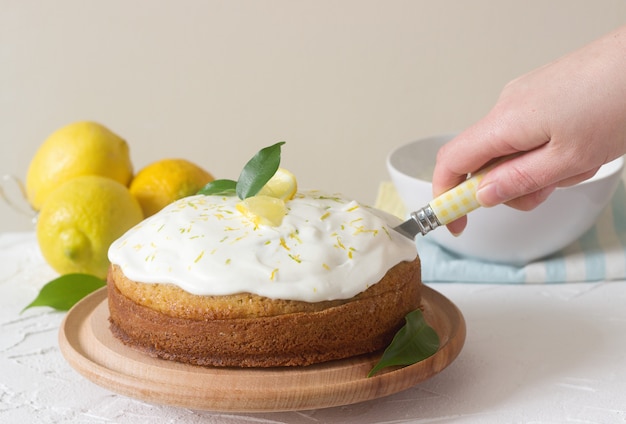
x,y
201,283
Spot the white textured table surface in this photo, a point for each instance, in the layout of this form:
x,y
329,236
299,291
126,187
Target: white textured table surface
x,y
534,354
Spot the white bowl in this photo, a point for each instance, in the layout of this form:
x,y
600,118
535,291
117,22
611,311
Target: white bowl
x,y
503,234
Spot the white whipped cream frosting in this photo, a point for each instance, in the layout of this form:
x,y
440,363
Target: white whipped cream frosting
x,y
326,248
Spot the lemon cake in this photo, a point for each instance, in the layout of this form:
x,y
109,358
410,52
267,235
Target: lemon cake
x,y
202,283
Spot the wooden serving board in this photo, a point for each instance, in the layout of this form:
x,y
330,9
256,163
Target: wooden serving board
x,y
90,348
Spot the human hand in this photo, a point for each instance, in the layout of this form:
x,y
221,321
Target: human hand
x,y
567,119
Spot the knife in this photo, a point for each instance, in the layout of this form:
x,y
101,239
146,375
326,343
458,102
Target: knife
x,y
445,208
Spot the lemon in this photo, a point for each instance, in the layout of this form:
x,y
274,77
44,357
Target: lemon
x,y
263,210
162,182
282,185
81,219
268,206
81,148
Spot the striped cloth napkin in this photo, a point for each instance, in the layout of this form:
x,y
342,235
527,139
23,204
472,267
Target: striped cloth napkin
x,y
598,255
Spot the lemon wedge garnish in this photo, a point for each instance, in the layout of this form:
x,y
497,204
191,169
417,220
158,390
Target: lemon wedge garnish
x,y
263,210
282,185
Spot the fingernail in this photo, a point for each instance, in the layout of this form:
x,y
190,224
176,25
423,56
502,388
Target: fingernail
x,y
456,234
488,196
456,228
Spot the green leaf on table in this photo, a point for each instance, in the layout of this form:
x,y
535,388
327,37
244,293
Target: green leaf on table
x,y
414,342
258,171
219,187
65,291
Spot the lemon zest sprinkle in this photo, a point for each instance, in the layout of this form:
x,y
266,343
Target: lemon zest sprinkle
x,y
296,258
199,257
296,236
362,229
273,274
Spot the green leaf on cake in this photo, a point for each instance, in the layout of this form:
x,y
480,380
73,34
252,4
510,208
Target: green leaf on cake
x,y
65,291
414,342
258,171
219,187
254,175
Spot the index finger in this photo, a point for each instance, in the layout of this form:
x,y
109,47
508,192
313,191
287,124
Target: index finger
x,y
501,133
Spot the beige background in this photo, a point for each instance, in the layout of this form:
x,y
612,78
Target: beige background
x,y
343,82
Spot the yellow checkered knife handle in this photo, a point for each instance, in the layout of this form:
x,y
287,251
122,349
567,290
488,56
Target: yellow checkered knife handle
x,y
458,201
451,205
